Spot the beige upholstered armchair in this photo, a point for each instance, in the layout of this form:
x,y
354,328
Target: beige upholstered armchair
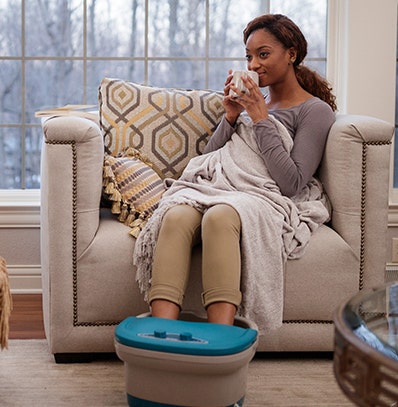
x,y
87,271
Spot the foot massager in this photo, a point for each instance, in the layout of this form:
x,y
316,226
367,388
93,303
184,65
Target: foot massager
x,y
185,363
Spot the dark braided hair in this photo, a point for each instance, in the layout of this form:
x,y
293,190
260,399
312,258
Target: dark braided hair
x,y
290,36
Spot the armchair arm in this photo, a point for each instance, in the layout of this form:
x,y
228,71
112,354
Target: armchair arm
x,y
355,173
71,177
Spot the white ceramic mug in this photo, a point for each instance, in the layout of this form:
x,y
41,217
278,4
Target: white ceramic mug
x,y
237,75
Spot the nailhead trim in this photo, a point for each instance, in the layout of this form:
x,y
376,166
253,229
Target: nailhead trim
x,y
363,205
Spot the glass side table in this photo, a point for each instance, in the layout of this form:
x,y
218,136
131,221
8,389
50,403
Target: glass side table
x,y
366,347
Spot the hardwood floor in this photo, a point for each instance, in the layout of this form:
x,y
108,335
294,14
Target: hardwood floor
x,y
26,320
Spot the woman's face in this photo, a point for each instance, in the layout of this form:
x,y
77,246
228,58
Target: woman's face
x,y
267,56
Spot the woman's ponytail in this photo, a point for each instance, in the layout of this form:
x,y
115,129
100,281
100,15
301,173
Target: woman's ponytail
x,y
315,84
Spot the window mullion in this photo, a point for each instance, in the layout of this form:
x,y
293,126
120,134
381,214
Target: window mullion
x,y
23,100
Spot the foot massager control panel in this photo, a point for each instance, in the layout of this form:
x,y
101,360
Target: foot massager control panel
x,y
168,336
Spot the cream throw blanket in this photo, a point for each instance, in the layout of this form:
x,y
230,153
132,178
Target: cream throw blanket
x,y
274,227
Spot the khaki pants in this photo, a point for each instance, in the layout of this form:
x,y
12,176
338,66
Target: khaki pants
x,y
183,227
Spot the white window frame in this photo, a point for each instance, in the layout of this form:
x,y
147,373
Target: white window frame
x,y
361,65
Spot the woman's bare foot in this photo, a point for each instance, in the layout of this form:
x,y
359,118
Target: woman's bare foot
x,y
221,313
165,309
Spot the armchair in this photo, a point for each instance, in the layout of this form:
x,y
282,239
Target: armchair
x,y
87,271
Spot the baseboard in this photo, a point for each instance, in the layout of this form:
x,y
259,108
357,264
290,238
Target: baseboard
x,y
24,279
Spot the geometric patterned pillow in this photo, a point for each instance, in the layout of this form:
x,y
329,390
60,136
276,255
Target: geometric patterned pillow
x,y
169,126
133,188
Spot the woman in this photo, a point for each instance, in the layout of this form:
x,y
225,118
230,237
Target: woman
x,y
238,215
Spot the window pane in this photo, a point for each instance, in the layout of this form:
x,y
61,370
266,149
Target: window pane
x,y
10,158
133,71
10,92
173,31
52,83
227,21
311,17
177,74
10,23
54,28
318,66
116,28
33,141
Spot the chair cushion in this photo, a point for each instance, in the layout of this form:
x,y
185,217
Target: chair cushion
x,y
170,126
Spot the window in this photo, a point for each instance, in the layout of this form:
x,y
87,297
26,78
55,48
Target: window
x,y
55,52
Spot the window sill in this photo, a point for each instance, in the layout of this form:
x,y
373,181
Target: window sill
x,y
19,198
19,208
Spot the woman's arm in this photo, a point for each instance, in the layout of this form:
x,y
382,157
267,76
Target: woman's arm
x,y
220,136
293,171
226,127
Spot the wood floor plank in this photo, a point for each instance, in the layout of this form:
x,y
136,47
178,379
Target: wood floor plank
x,y
26,320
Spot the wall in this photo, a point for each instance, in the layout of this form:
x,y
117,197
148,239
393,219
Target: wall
x,y
362,69
362,51
362,54
20,239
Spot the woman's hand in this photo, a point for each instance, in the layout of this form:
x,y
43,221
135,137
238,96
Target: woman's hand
x,y
253,101
232,108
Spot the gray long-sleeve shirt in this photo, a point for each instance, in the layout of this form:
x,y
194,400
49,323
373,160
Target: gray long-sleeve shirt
x,y
308,124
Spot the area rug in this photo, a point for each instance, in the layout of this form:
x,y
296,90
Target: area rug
x,y
30,377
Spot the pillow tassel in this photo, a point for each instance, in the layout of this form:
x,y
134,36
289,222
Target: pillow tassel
x,y
124,213
131,218
135,231
134,153
107,173
116,196
116,208
137,226
109,188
